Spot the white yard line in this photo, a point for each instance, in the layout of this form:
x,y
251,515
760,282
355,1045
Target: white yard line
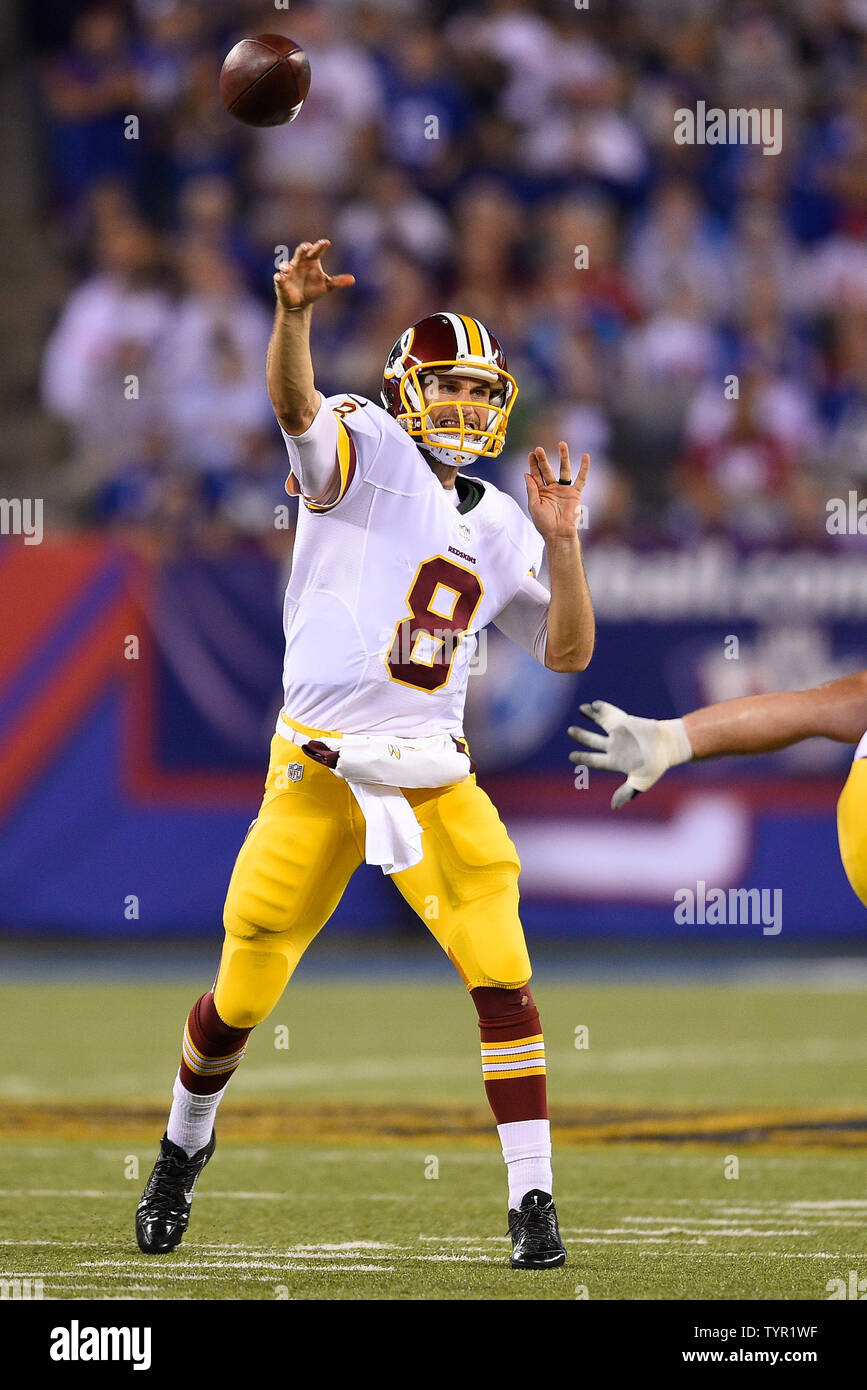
x,y
180,1271
56,1244
103,1195
769,1254
706,1225
452,1240
56,1192
855,1202
682,1231
126,1290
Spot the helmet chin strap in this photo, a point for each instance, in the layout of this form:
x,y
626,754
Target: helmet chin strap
x,y
450,457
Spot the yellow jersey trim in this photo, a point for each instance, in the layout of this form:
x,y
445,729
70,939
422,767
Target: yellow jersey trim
x,y
305,728
346,465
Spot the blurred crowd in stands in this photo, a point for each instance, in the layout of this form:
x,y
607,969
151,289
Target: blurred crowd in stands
x,y
553,131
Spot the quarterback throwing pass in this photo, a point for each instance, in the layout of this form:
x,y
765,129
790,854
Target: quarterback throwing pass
x,y
400,560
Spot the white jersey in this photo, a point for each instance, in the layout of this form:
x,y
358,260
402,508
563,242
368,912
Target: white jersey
x,y
391,583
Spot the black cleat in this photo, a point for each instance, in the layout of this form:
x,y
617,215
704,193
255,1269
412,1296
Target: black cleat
x,y
163,1213
536,1242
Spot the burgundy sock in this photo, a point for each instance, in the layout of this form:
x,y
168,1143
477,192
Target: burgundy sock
x,y
513,1053
212,1050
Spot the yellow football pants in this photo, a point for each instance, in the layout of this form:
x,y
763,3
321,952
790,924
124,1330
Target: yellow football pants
x,y
301,852
852,827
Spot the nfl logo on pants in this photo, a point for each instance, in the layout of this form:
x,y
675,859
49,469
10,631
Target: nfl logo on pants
x,y
295,771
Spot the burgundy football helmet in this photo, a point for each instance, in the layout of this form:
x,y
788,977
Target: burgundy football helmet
x,y
449,345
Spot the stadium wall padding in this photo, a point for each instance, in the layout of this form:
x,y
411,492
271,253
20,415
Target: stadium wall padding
x,y
130,769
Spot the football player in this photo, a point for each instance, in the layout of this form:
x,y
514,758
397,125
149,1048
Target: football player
x,y
644,749
399,561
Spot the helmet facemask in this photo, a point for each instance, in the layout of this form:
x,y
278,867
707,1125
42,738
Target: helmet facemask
x,y
470,438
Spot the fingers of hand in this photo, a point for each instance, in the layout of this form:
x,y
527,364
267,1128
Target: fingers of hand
x,y
623,794
565,466
539,460
583,471
312,250
602,713
286,283
588,739
590,760
307,253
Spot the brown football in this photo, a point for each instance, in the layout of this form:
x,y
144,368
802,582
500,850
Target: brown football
x,y
264,80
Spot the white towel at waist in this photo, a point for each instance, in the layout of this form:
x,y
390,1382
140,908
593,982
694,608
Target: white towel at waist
x,y
392,834
365,761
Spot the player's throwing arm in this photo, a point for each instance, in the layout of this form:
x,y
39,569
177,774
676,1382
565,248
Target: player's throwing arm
x,y
289,368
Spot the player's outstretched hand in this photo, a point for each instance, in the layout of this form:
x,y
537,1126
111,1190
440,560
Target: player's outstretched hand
x,y
642,748
302,280
555,504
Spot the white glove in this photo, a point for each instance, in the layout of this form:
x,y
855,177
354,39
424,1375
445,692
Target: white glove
x,y
643,748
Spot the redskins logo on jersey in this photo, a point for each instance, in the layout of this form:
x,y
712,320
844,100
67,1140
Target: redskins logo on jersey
x,y
449,345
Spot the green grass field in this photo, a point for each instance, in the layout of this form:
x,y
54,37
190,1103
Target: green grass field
x,y
323,1183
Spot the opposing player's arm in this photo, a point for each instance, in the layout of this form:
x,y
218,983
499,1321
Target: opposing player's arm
x,y
289,372
554,507
762,723
645,749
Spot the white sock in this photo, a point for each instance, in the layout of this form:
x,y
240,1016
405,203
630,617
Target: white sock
x,y
527,1151
191,1118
